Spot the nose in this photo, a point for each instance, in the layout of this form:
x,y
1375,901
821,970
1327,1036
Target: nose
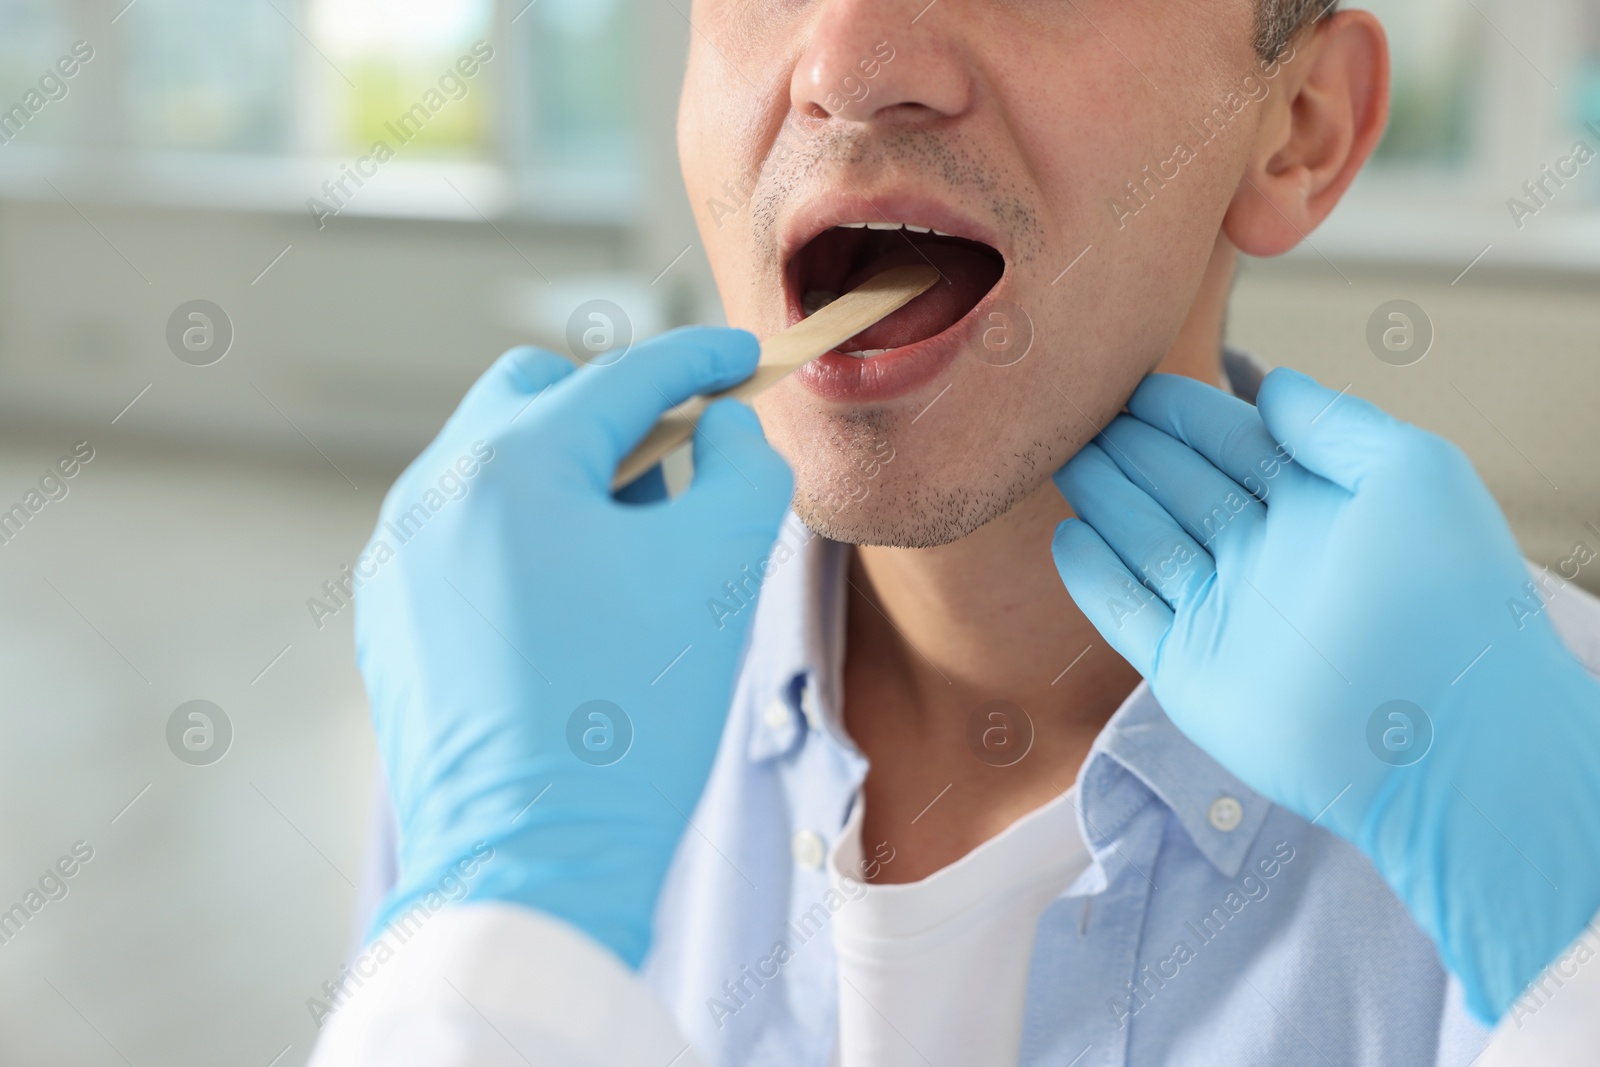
x,y
872,61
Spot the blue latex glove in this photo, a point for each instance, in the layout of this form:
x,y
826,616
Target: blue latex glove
x,y
486,635
1280,576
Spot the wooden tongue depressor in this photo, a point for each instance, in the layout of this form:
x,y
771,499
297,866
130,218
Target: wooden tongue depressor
x,y
784,352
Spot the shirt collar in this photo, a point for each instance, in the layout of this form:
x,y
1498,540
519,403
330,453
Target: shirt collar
x,y
793,682
1140,753
793,675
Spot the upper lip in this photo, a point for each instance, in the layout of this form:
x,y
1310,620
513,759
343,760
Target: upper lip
x,y
821,213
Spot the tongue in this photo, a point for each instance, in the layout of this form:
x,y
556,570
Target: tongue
x,y
967,275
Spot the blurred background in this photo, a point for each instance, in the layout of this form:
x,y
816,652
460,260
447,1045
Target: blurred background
x,y
178,163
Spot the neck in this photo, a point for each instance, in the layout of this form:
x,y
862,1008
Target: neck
x,y
934,633
984,618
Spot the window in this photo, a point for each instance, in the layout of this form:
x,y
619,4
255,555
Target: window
x,y
1486,94
378,61
581,59
1475,76
33,34
254,104
201,75
1437,48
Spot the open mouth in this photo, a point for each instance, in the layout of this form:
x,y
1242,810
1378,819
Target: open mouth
x,y
843,256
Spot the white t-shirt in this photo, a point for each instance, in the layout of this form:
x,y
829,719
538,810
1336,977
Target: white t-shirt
x,y
936,972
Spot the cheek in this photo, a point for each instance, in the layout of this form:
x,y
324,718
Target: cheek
x,y
725,131
695,154
707,163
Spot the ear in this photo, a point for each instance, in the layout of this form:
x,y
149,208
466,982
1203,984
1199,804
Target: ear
x,y
1325,112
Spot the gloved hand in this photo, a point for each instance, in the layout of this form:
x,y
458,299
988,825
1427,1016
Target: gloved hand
x,y
544,676
1283,576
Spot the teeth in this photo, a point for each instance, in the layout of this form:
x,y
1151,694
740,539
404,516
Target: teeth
x,y
815,300
866,353
893,226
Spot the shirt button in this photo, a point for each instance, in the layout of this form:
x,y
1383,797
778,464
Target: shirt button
x,y
806,847
1225,813
776,716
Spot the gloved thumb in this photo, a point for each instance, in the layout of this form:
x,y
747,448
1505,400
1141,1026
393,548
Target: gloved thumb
x,y
1335,435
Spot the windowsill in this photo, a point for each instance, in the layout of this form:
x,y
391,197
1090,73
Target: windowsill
x,y
1432,220
401,189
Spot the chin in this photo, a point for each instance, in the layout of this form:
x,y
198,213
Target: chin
x,y
908,507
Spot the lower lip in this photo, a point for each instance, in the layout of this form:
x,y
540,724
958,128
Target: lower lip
x,y
899,371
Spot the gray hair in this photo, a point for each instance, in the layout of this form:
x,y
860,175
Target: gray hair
x,y
1277,21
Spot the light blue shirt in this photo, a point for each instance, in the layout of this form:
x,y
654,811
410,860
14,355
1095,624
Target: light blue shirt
x,y
1211,927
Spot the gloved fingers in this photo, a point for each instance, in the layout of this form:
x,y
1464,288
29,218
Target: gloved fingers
x,y
733,462
504,391
1335,435
606,410
1140,531
1132,619
1213,508
1224,429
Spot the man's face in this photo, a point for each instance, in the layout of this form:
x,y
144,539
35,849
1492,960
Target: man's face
x,y
1013,126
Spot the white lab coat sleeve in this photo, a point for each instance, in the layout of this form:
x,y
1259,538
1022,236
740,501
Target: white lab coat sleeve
x,y
1556,1021
494,985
